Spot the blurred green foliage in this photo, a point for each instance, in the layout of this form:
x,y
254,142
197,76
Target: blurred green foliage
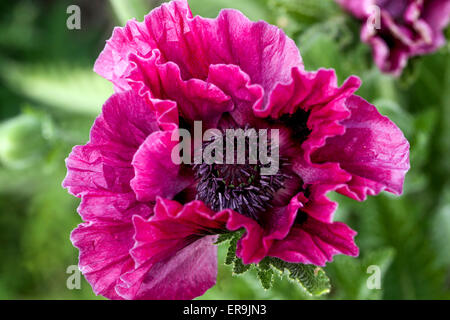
x,y
49,97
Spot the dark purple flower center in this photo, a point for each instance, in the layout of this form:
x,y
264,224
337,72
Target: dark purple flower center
x,y
297,123
240,187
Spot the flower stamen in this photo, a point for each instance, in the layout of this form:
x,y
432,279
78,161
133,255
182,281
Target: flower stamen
x,y
240,187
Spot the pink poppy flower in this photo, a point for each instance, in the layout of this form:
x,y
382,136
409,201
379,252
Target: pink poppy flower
x,y
151,223
399,29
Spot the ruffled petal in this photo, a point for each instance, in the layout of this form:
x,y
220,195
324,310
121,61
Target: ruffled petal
x,y
184,275
104,163
175,226
156,174
104,254
277,222
257,240
262,51
326,104
245,95
308,91
373,150
196,99
318,94
174,252
319,206
315,242
100,173
113,64
112,207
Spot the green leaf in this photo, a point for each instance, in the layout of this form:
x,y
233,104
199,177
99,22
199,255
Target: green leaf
x,y
239,267
231,259
265,274
63,87
312,278
223,237
231,253
266,278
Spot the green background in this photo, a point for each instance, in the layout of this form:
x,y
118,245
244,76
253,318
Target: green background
x,y
49,97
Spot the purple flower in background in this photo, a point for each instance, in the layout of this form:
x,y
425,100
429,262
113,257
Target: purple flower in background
x,y
399,29
150,224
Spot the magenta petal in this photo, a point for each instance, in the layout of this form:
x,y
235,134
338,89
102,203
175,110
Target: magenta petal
x,y
185,275
193,44
174,254
104,163
91,168
387,60
261,50
326,103
100,171
237,84
105,206
156,174
104,254
326,173
175,226
390,58
257,240
315,242
320,207
113,64
308,91
157,56
196,99
373,150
